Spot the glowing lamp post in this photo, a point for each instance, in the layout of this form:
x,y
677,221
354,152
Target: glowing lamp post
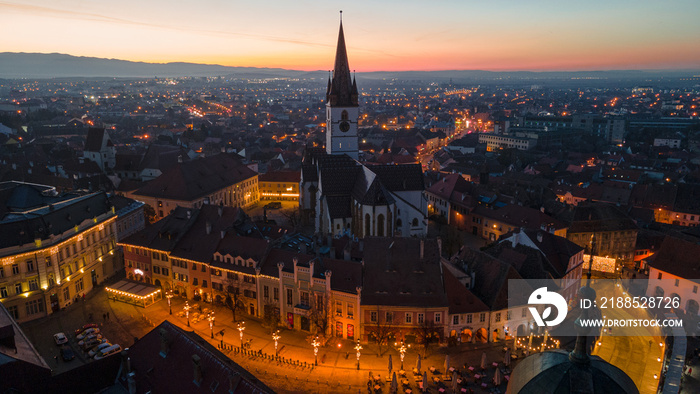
x,y
315,343
276,337
187,312
241,327
169,295
402,352
358,347
210,317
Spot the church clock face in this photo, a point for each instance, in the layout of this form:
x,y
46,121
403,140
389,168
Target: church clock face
x,y
344,126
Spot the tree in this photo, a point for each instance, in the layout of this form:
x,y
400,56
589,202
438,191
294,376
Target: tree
x,y
381,329
271,314
319,313
426,333
234,299
149,214
292,215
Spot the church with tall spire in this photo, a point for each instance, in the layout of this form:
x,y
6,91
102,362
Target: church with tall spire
x,y
342,105
345,197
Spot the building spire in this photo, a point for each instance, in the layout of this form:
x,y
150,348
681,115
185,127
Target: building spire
x,y
341,86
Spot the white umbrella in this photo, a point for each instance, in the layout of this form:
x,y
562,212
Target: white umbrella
x,y
418,364
390,366
529,344
544,343
454,381
425,381
515,343
506,358
394,383
447,363
497,377
483,360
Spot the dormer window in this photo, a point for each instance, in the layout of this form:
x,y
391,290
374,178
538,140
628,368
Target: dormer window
x,y
344,115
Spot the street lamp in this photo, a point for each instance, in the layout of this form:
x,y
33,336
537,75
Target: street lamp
x,y
315,344
276,337
358,347
187,312
402,352
210,317
241,327
169,295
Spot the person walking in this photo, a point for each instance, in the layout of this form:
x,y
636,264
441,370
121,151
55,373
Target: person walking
x,y
104,317
107,315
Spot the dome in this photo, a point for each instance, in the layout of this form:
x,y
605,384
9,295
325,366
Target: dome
x,y
554,372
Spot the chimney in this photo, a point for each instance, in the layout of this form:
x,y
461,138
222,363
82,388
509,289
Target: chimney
x,y
164,343
179,158
422,248
126,364
208,227
197,365
189,214
131,381
539,237
223,234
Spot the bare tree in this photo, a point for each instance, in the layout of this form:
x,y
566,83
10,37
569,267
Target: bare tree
x,y
381,329
271,315
234,298
319,313
426,333
292,215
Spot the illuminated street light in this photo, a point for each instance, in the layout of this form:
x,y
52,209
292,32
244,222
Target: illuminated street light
x,y
241,327
402,352
358,347
169,295
187,312
315,343
210,317
276,337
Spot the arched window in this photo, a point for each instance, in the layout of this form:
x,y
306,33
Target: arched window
x,y
344,115
380,225
368,225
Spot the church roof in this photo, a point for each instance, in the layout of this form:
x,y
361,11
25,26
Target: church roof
x,y
342,90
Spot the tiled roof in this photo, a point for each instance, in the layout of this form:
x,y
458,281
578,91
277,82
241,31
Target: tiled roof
x,y
400,177
194,179
93,143
678,257
396,275
280,176
461,299
600,217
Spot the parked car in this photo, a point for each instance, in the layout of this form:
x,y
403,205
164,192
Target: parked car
x,y
85,327
60,338
91,340
98,348
89,331
274,205
67,353
106,352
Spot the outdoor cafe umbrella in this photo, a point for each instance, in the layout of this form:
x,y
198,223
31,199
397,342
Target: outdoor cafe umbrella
x,y
506,358
394,383
497,377
447,363
418,364
483,360
425,381
454,381
546,336
390,366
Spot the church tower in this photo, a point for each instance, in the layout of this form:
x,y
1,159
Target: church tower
x,y
342,108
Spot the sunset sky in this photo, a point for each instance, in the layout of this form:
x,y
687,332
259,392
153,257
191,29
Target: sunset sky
x,y
381,35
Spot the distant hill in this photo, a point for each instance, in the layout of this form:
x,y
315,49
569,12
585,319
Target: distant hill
x,y
55,65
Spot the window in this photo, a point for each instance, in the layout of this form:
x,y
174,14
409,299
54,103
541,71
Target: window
x,y
33,285
389,317
350,311
165,271
482,317
232,275
290,297
408,318
18,288
304,298
195,282
695,289
13,311
194,267
677,282
659,277
373,316
204,268
34,307
469,318
438,317
156,269
155,255
338,308
455,319
498,317
524,313
249,279
3,292
66,293
30,265
79,285
276,293
266,292
509,315
421,318
2,272
204,284
15,269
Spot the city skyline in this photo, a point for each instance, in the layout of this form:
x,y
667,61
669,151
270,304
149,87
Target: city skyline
x,y
392,36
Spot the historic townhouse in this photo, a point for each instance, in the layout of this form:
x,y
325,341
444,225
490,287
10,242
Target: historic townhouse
x,y
55,252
